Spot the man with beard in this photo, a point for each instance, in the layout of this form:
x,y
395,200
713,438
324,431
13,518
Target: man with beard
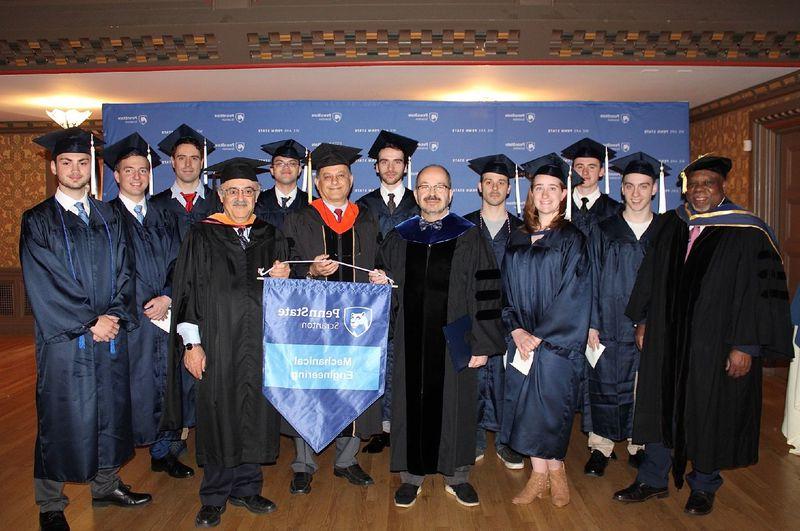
x,y
79,280
284,197
710,301
448,279
496,225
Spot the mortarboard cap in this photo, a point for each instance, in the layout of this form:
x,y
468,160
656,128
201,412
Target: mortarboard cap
x,y
385,138
132,143
289,148
332,154
495,164
586,147
550,164
721,165
180,135
236,168
72,140
639,162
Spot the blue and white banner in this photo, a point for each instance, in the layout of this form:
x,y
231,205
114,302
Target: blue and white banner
x,y
324,352
449,133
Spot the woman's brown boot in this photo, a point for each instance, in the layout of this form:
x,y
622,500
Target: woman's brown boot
x,y
534,488
559,490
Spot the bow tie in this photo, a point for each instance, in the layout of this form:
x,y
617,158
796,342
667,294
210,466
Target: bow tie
x,y
435,225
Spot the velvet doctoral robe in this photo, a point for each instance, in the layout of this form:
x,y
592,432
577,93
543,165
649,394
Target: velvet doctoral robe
x,y
73,274
309,236
216,287
730,291
373,202
269,209
547,285
605,207
491,377
203,207
443,275
615,256
154,247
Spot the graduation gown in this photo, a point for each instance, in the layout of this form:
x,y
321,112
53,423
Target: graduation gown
x,y
269,209
443,275
154,247
308,237
731,291
74,273
373,202
216,287
603,208
615,256
203,207
491,376
548,290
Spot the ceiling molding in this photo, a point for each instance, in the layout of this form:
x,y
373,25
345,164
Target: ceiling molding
x,y
774,88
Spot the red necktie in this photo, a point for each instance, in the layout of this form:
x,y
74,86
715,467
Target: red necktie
x,y
189,201
694,232
338,214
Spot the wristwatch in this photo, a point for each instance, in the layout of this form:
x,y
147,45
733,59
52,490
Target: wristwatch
x,y
190,346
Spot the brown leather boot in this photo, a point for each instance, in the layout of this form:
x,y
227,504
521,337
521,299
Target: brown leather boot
x,y
559,490
534,488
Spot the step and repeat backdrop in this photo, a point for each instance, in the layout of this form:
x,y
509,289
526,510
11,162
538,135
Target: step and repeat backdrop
x,y
448,133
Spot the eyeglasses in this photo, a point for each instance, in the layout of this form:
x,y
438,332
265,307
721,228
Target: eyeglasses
x,y
282,164
247,192
425,188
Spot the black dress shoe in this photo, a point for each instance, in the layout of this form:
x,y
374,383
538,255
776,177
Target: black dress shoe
x,y
596,465
301,483
639,492
376,444
255,504
122,497
699,503
53,521
354,474
171,466
636,460
209,516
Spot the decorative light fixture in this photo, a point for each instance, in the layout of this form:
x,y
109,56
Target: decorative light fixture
x,y
68,118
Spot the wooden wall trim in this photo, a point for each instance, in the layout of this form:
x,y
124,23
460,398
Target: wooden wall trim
x,y
20,321
774,88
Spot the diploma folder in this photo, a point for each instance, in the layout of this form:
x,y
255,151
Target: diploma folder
x,y
456,335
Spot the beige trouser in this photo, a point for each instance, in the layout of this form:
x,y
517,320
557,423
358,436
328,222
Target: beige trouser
x,y
606,446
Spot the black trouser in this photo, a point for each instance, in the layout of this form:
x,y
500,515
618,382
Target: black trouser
x,y
220,482
50,496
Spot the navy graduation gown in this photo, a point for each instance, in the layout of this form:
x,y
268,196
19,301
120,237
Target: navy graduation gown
x,y
373,202
154,247
269,209
603,208
73,274
491,376
203,207
615,255
548,290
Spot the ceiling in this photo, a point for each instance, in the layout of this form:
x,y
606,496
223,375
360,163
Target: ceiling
x,y
24,97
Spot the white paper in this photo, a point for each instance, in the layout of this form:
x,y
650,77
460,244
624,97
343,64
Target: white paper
x,y
523,366
594,354
163,324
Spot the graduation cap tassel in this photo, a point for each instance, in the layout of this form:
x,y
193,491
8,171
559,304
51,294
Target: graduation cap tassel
x,y
308,177
408,171
516,189
568,215
662,198
205,162
683,182
93,180
150,163
605,174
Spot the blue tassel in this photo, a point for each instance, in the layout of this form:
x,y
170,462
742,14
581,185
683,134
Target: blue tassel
x,y
113,349
82,343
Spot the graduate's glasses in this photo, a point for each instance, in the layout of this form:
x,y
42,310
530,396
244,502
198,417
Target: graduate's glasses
x,y
281,164
425,188
247,192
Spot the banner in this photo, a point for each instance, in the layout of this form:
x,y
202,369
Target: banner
x,y
449,133
324,352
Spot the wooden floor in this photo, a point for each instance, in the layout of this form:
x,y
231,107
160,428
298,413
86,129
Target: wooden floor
x,y
765,496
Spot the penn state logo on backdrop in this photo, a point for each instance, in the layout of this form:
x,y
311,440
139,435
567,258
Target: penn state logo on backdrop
x,y
357,320
337,117
625,118
240,146
626,146
434,146
239,117
143,119
530,117
434,116
530,146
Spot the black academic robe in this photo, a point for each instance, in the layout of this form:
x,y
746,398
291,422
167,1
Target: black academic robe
x,y
491,376
154,247
731,291
216,287
203,207
373,202
603,208
269,209
547,286
615,256
73,274
308,237
443,276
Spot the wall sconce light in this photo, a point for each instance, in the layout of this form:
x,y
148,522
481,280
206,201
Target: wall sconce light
x,y
68,118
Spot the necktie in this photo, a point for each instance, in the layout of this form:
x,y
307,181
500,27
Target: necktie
x,y
189,201
435,225
82,212
242,237
284,202
138,210
338,214
584,205
694,232
391,204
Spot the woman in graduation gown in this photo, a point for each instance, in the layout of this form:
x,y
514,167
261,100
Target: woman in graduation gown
x,y
547,283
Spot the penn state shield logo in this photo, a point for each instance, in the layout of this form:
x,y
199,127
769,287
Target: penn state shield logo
x,y
434,146
530,117
239,146
530,146
626,146
357,320
434,116
239,117
337,117
143,119
625,118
